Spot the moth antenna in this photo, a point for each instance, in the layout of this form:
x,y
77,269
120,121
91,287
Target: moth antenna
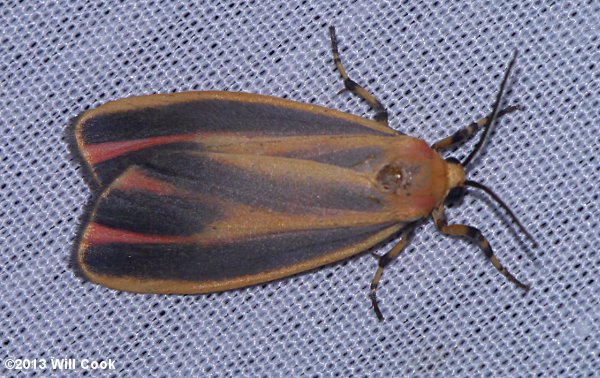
x,y
489,191
494,114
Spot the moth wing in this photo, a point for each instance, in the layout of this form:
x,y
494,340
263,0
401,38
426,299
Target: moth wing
x,y
196,222
129,131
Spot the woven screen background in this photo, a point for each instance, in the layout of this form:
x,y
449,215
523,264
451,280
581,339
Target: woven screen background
x,y
436,66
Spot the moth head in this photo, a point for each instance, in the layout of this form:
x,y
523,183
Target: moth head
x,y
456,182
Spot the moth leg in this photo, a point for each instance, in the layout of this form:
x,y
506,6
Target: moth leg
x,y
464,134
384,260
381,114
439,217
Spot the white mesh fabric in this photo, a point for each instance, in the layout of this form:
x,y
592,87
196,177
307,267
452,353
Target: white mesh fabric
x,y
436,66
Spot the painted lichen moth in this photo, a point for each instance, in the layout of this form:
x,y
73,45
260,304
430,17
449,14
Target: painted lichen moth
x,y
201,192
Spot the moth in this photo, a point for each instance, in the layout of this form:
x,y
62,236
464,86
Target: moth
x,y
200,192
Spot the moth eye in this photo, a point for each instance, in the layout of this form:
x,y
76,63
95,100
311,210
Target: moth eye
x,y
455,196
390,177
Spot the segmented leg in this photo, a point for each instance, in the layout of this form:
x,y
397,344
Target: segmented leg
x,y
474,234
381,114
383,262
464,134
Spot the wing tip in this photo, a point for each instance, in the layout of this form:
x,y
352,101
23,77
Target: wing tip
x,y
72,140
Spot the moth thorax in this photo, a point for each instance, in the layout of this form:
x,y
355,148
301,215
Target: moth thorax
x,y
392,177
